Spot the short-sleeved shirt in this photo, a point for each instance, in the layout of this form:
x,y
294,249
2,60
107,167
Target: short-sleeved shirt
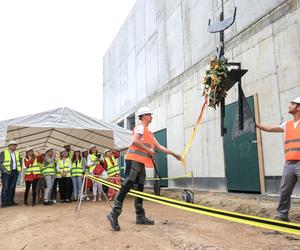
x,y
139,129
283,125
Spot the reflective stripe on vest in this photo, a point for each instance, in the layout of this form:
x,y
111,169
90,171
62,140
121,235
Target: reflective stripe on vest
x,y
112,169
64,166
34,168
49,169
292,141
7,159
137,154
76,170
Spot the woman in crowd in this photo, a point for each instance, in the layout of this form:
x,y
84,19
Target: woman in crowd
x,y
63,169
92,161
76,173
48,171
32,175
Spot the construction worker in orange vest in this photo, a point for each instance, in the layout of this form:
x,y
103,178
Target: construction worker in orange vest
x,y
291,170
139,155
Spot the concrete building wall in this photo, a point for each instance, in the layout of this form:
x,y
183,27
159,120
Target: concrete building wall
x,y
159,58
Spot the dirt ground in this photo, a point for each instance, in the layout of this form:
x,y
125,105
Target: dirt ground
x,y
57,227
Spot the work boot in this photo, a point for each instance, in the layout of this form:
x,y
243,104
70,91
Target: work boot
x,y
113,222
144,220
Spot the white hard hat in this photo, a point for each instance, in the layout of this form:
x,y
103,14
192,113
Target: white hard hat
x,y
107,150
297,100
12,142
28,149
92,146
143,111
48,149
76,149
63,150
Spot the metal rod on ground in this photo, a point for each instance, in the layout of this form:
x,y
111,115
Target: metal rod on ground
x,y
80,199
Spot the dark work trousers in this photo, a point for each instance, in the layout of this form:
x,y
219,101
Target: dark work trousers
x,y
290,176
69,188
65,188
34,185
134,178
54,190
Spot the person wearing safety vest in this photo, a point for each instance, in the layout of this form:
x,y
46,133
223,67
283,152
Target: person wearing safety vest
x,y
113,171
32,175
76,173
70,152
139,156
10,167
63,174
92,161
85,167
48,172
291,169
41,185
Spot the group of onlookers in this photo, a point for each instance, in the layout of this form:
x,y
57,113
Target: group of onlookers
x,y
49,171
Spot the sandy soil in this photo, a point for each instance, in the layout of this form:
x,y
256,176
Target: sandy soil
x,y
57,227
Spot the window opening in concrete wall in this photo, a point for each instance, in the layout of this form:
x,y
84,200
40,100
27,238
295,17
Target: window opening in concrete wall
x,y
121,123
130,122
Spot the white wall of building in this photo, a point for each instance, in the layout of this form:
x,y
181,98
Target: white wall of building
x,y
159,58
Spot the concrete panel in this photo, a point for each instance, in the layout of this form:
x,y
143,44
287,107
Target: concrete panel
x,y
202,42
124,88
175,103
175,139
131,33
141,75
287,53
131,80
162,51
186,34
150,19
171,6
247,14
175,43
140,25
152,65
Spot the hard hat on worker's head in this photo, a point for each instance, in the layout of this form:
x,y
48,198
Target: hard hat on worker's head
x,y
76,150
29,149
63,150
12,142
92,146
297,100
143,111
107,150
48,149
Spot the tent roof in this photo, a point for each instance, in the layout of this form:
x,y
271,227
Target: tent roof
x,y
58,127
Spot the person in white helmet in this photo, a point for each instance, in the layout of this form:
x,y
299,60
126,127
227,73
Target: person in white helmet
x,y
291,169
10,167
138,157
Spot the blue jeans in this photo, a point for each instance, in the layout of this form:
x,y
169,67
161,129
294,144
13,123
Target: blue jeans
x,y
9,182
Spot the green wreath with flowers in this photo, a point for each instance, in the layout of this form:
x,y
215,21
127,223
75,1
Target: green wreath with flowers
x,y
214,81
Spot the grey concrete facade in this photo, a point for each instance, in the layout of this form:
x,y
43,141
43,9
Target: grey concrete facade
x,y
159,58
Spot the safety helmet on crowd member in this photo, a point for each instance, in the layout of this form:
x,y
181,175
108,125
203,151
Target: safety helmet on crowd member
x,y
92,146
12,142
107,150
76,149
28,149
143,111
296,100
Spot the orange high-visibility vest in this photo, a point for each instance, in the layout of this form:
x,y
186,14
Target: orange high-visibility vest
x,y
292,142
137,154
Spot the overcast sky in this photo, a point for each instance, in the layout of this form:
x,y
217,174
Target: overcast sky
x,y
51,53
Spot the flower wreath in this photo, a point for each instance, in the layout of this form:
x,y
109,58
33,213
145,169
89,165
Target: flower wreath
x,y
214,81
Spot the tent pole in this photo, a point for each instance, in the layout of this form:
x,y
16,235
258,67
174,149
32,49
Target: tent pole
x,y
81,196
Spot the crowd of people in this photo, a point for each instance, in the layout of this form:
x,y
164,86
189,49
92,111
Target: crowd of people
x,y
48,172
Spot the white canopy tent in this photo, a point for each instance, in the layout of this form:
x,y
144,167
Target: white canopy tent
x,y
58,127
